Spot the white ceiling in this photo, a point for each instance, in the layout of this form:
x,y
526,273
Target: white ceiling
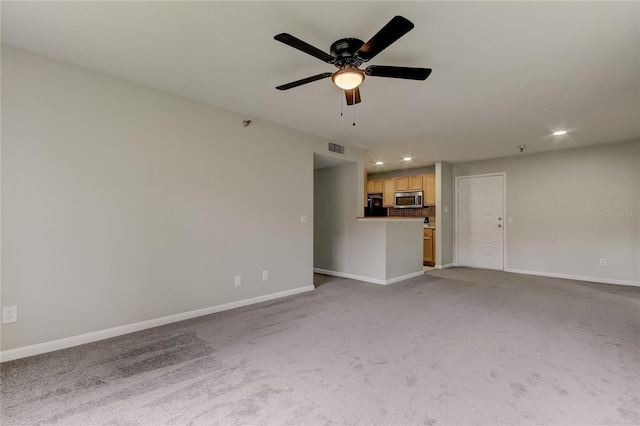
x,y
504,73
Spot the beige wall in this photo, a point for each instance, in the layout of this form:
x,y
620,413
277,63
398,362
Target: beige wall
x,y
122,204
341,244
559,202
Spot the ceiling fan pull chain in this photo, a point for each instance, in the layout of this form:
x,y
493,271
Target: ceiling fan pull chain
x,y
354,111
340,105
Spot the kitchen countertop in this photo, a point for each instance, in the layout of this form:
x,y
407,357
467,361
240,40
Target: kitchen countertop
x,y
429,227
389,219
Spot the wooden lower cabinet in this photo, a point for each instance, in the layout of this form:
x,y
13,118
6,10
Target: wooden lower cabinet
x,y
429,247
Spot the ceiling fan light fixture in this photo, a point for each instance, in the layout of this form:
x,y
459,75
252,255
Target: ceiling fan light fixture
x,y
348,78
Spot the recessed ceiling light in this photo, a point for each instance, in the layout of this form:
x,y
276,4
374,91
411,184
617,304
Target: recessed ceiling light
x,y
379,163
407,158
560,133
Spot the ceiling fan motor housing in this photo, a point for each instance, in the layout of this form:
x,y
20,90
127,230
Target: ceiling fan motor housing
x,y
344,52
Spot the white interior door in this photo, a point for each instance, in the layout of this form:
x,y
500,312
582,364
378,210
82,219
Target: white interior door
x,y
480,207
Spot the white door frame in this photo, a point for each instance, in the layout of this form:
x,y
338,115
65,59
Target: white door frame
x,y
456,233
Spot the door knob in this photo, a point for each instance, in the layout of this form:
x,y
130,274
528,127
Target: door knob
x,y
499,218
499,225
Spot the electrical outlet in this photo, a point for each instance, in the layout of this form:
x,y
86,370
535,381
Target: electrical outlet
x,y
265,275
303,218
603,262
237,280
9,314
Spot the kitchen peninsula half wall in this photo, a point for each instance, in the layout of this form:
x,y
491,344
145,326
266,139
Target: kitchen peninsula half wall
x,y
378,250
390,251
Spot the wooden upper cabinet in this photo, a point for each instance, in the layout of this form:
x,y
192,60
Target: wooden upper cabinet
x,y
415,183
402,183
429,189
409,183
374,186
388,193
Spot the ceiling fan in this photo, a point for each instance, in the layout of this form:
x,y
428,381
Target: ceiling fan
x,y
347,54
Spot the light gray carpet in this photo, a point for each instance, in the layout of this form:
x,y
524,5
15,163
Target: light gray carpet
x,y
458,346
321,279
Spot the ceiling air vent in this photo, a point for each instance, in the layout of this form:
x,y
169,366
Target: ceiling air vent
x,y
334,147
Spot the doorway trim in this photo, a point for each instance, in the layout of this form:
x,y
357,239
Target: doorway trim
x,y
504,215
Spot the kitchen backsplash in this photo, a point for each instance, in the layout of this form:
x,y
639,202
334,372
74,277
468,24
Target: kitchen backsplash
x,y
424,212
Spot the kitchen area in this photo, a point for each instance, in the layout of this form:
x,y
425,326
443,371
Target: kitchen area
x,y
405,194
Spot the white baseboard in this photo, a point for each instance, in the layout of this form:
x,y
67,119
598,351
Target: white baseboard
x,y
405,277
368,279
82,339
350,276
445,266
575,277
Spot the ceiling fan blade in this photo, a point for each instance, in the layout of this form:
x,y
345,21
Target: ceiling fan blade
x,y
353,96
391,32
304,81
296,43
398,72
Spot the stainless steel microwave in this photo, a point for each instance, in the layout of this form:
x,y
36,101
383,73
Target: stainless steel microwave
x,y
410,199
